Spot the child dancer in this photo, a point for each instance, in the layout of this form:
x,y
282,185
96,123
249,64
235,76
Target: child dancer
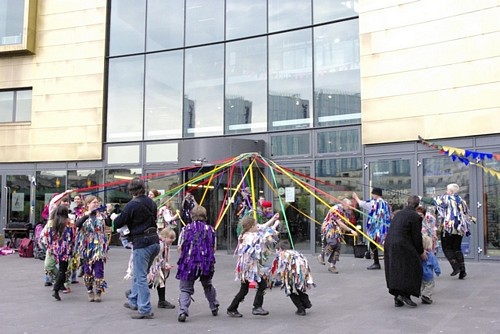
x,y
292,268
332,231
160,269
92,246
430,266
196,260
254,247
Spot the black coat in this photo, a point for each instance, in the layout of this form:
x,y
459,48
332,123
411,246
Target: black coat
x,y
402,249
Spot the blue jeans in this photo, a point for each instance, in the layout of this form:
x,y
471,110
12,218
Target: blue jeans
x,y
142,261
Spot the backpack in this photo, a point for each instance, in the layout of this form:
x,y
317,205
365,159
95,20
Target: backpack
x,y
26,247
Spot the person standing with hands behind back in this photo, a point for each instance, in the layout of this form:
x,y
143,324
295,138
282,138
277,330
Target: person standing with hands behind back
x,y
403,252
140,216
379,219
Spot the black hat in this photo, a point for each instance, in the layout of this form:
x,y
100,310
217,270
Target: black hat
x,y
377,191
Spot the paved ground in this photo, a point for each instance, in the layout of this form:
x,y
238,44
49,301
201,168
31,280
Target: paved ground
x,y
354,301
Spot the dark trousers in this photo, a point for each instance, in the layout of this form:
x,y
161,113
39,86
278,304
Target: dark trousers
x,y
452,249
374,250
240,296
300,300
61,276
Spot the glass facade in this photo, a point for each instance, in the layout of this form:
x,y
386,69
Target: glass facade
x,y
240,66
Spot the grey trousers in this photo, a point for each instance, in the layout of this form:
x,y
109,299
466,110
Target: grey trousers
x,y
427,288
187,289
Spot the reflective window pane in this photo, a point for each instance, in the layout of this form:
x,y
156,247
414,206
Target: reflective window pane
x,y
165,25
163,95
127,154
289,14
289,145
86,178
6,106
336,74
245,18
23,105
394,177
204,21
330,10
342,140
127,27
167,152
491,195
121,177
246,86
11,21
204,95
290,80
125,99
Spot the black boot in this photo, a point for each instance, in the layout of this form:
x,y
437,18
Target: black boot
x,y
451,256
461,264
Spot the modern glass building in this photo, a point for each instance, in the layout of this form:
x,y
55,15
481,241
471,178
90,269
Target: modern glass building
x,y
337,91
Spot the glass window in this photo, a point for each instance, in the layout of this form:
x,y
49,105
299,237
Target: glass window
x,y
23,105
204,95
289,14
330,10
441,171
15,106
204,21
81,179
165,24
129,154
337,179
120,178
342,140
125,99
168,152
245,18
288,145
337,98
18,192
290,80
127,27
11,21
163,95
394,177
491,195
246,86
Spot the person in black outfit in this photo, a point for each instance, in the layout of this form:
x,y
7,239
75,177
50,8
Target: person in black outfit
x,y
403,252
140,216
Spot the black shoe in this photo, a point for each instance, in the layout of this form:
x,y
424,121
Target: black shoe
x,y
234,314
259,311
398,303
407,301
215,311
308,305
127,305
143,316
182,317
55,294
455,272
462,275
165,304
48,284
300,312
374,266
426,300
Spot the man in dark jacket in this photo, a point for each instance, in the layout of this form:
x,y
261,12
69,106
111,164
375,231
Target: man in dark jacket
x,y
403,252
140,216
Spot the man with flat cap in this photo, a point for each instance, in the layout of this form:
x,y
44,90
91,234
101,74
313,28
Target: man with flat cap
x,y
377,225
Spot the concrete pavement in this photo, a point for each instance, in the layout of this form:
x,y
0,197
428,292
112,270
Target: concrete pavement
x,y
353,301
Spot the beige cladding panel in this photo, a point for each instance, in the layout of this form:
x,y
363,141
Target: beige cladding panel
x,y
66,73
429,69
472,73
